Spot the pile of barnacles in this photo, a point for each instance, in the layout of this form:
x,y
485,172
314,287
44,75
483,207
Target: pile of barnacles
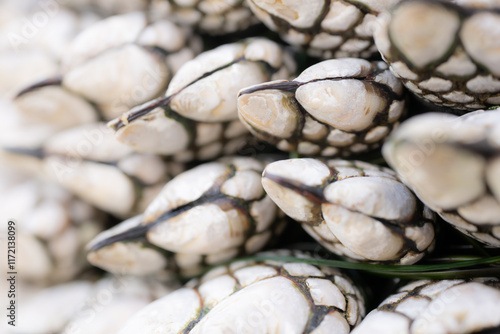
x,y
157,155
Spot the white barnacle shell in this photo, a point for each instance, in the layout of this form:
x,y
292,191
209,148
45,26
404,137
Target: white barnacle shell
x,y
350,207
42,112
207,214
214,17
447,306
269,110
256,297
334,29
298,13
213,99
123,29
451,164
204,88
132,258
34,38
199,113
349,105
209,227
20,68
335,107
144,135
96,307
296,206
52,227
427,45
91,163
113,62
418,39
65,299
87,142
89,179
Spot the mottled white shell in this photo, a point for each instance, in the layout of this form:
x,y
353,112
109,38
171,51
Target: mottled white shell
x,y
207,214
52,228
335,107
334,29
131,258
199,113
22,68
112,63
419,42
451,164
215,17
211,98
91,163
256,298
42,112
87,307
352,208
448,306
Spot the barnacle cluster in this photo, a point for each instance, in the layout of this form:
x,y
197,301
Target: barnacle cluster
x,y
193,166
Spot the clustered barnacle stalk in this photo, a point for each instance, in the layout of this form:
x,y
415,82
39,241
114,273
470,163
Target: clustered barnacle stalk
x,y
257,297
206,215
354,209
453,165
446,306
335,107
198,118
214,212
444,52
324,28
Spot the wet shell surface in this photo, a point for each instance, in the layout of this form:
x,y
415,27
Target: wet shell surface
x,y
354,209
444,53
447,306
337,107
124,60
205,215
199,114
453,165
326,29
214,17
256,297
